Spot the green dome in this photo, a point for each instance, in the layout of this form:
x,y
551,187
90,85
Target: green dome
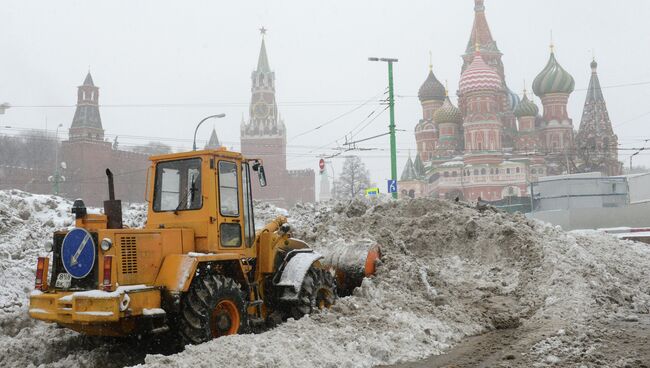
x,y
553,79
448,113
526,107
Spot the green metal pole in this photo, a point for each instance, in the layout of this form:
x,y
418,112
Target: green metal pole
x,y
391,104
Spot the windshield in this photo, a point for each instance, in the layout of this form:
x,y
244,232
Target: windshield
x,y
178,185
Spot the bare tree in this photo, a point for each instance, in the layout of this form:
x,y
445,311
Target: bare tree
x,y
353,181
32,149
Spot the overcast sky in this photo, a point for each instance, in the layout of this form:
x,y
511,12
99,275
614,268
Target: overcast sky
x,y
163,65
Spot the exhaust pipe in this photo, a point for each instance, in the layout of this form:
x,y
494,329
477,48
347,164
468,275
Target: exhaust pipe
x,y
112,207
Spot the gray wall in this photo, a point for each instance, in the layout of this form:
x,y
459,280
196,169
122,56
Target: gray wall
x,y
632,215
639,185
580,191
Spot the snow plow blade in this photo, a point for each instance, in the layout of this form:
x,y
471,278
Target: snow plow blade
x,y
352,263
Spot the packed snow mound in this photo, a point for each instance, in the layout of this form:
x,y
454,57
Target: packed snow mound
x,y
449,270
27,221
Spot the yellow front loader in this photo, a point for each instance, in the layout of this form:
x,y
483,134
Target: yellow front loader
x,y
199,268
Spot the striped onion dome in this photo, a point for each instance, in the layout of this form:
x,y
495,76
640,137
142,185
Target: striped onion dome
x,y
479,76
448,113
526,107
553,79
431,89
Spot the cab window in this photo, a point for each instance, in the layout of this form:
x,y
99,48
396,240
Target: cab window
x,y
178,185
228,189
230,234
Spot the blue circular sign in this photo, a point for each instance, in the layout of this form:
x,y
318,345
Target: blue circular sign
x,y
78,253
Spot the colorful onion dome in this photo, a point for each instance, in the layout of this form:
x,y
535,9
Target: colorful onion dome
x,y
553,79
447,113
479,76
526,107
512,99
431,89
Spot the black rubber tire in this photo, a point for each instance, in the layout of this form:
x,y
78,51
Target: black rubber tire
x,y
318,291
209,292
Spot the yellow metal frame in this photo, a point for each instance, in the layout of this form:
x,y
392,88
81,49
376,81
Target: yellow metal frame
x,y
81,310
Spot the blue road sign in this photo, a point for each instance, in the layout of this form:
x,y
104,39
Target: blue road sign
x,y
392,186
78,253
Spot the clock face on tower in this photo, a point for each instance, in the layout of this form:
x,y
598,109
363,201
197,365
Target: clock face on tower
x,y
261,110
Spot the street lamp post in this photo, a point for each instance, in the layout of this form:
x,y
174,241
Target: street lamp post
x,y
201,122
391,104
634,154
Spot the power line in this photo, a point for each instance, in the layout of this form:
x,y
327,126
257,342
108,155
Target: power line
x,y
193,105
337,117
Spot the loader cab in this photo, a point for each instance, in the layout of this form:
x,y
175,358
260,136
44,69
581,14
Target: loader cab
x,y
208,192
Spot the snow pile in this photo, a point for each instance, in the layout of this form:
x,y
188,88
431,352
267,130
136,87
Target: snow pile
x,y
449,270
27,221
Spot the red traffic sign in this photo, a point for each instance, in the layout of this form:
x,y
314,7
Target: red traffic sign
x,y
321,165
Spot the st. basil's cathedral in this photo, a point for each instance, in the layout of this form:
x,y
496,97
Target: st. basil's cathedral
x,y
494,144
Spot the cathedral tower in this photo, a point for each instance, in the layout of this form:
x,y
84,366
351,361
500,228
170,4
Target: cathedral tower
x,y
431,95
527,141
506,99
596,142
480,87
482,36
554,86
87,123
449,121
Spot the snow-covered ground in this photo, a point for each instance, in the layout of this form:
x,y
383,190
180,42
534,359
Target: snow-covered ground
x,y
448,271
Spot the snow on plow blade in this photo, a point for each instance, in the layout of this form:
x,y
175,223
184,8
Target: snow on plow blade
x,y
352,262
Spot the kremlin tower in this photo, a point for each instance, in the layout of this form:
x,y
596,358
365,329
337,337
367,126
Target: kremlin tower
x,y
264,137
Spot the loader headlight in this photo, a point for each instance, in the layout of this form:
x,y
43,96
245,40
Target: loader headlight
x,y
106,244
48,246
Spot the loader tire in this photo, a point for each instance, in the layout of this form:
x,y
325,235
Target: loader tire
x,y
318,291
213,307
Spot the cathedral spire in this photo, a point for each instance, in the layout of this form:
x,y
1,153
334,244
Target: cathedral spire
x,y
481,31
595,115
597,143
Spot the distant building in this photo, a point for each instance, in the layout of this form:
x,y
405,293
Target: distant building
x,y
213,142
264,136
592,201
494,144
87,154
